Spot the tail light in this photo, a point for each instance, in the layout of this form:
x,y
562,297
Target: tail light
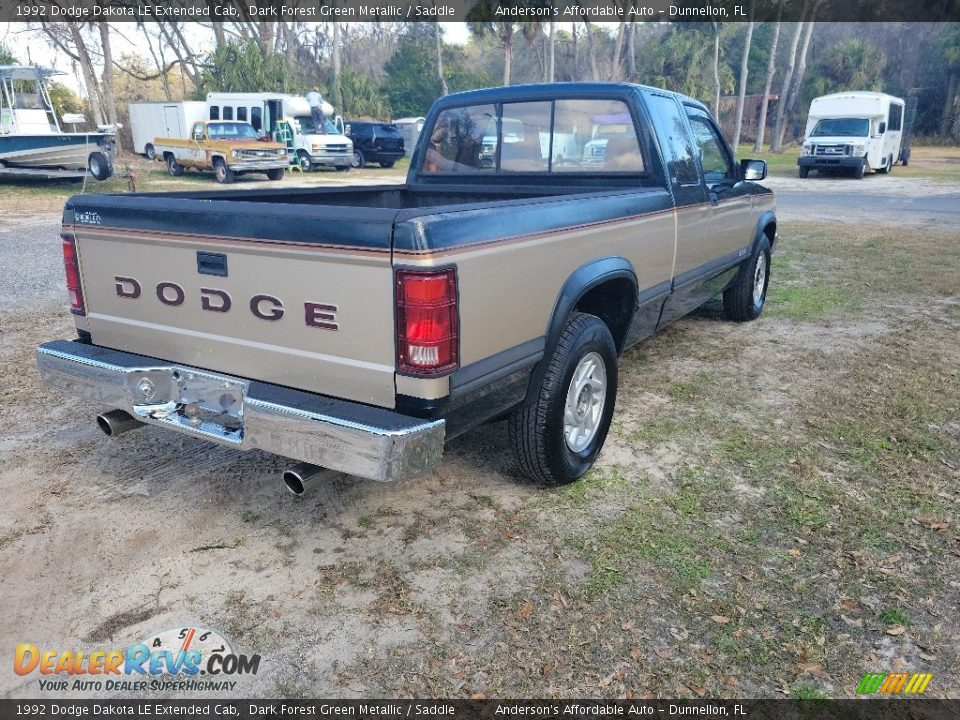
x,y
72,269
427,333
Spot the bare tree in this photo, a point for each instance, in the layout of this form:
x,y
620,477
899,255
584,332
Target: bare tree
x,y
591,50
798,76
632,49
335,61
716,68
744,71
443,81
618,51
776,145
768,84
551,51
106,77
68,37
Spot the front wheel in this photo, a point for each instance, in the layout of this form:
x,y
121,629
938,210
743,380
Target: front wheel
x,y
358,160
99,166
173,167
887,165
387,165
804,172
744,300
303,160
275,174
224,175
859,170
150,152
557,438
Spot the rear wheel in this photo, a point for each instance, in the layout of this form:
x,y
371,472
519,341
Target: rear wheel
x,y
744,300
223,174
557,437
389,164
99,166
358,160
275,174
150,152
173,167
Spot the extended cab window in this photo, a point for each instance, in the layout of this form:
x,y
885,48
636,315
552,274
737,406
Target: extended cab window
x,y
674,140
714,159
568,136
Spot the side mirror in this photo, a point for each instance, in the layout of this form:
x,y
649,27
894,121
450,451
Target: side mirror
x,y
753,169
882,129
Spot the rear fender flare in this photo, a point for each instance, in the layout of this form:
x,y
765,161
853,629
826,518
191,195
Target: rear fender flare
x,y
583,279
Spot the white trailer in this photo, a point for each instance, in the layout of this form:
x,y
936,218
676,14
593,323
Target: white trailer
x,y
854,131
150,120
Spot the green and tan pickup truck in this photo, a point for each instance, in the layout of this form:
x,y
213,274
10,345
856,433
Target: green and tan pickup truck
x,y
227,148
360,328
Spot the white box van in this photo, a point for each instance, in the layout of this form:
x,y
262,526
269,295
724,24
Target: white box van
x,y
150,120
854,131
271,113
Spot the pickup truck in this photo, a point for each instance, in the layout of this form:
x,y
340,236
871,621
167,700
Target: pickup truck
x,y
360,328
226,147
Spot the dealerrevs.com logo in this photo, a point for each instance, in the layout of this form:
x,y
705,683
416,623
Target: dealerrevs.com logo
x,y
189,658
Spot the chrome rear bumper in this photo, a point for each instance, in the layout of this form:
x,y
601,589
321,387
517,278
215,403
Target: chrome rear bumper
x,y
245,414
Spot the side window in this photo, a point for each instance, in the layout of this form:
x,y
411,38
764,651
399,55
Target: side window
x,y
214,112
674,140
242,114
256,118
595,136
525,133
461,140
895,122
227,112
714,159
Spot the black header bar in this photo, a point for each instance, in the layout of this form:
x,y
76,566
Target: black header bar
x,y
479,10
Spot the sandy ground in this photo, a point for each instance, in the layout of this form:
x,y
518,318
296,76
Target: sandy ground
x,y
107,541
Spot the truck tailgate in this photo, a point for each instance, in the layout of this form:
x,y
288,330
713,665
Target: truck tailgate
x,y
296,296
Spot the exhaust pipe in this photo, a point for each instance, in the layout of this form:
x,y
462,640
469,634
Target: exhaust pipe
x,y
117,422
306,475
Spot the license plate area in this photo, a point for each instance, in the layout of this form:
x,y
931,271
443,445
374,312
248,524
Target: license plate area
x,y
197,402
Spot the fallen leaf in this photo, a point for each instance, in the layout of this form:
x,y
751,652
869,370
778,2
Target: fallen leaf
x,y
793,552
738,633
526,609
896,630
722,619
927,658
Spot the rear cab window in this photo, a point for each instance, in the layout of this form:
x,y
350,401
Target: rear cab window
x,y
589,135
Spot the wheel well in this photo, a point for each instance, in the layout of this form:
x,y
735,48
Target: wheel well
x,y
167,155
771,232
614,302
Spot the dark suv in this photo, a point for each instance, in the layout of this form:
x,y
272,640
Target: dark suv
x,y
374,142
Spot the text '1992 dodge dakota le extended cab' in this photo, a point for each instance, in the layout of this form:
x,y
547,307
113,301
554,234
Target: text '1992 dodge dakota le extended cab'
x,y
359,328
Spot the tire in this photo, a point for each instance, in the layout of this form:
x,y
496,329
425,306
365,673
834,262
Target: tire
x,y
276,174
224,175
358,160
887,166
389,164
744,300
859,170
173,167
99,166
804,172
550,445
343,168
150,152
303,160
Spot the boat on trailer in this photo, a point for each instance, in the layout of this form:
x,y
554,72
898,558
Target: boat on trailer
x,y
32,142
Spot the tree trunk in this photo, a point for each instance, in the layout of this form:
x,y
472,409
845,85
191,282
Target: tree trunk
x,y
218,35
551,53
576,52
595,74
89,76
618,51
335,56
632,50
106,77
776,146
507,40
443,81
948,108
716,70
768,84
798,76
744,71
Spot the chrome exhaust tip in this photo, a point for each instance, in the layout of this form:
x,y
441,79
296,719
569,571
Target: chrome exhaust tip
x,y
300,478
117,422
